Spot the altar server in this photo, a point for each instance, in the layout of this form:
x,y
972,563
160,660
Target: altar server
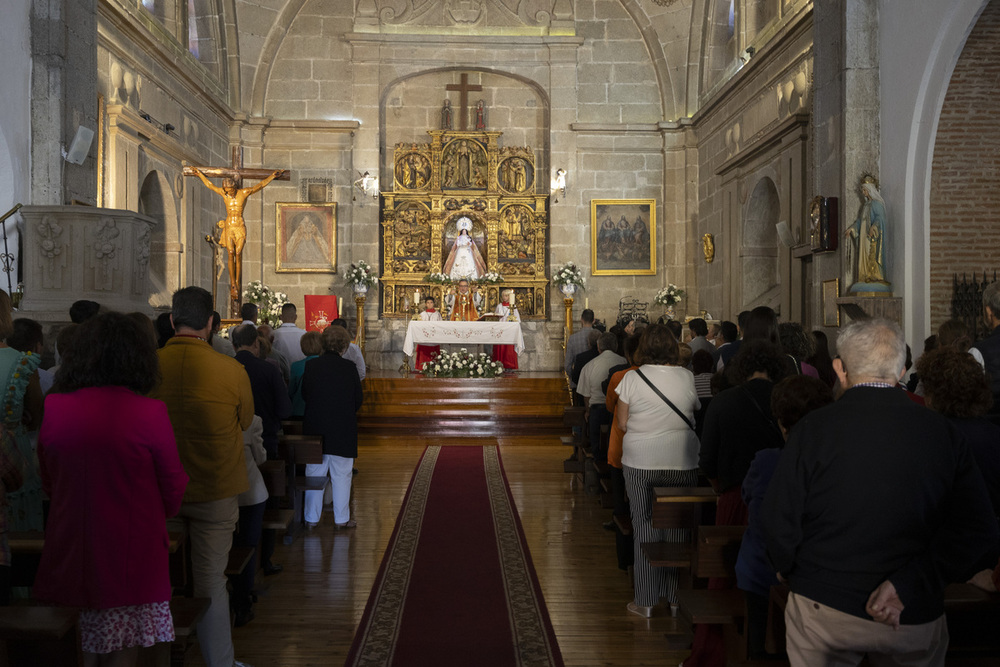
x,y
507,310
427,353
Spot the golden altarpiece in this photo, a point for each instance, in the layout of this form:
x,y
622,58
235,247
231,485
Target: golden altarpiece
x,y
464,180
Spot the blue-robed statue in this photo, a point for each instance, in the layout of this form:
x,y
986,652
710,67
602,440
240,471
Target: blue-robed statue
x,y
868,242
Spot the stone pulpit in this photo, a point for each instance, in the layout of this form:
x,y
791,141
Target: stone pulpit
x,y
81,252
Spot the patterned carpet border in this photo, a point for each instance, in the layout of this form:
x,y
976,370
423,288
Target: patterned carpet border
x,y
530,627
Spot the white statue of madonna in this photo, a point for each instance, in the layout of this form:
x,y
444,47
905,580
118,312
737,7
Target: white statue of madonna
x,y
464,260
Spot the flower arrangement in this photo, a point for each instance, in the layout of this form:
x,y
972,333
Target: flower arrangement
x,y
568,274
670,295
462,364
491,278
360,274
438,278
268,302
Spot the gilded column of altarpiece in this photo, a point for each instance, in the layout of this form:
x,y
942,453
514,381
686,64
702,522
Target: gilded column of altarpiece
x,y
464,175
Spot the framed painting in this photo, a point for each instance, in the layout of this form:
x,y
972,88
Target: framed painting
x,y
306,237
623,237
831,311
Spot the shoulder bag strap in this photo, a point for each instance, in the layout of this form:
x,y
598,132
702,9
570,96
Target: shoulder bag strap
x,y
666,400
769,420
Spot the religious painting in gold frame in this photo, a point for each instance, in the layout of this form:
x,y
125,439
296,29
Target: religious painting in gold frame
x,y
623,237
831,311
305,237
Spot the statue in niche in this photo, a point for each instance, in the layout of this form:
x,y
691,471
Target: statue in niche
x,y
464,165
514,174
412,234
481,115
464,260
866,254
516,237
413,171
446,115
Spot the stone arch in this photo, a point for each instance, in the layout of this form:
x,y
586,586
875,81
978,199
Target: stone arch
x,y
759,266
719,44
668,100
385,123
8,194
268,54
156,200
965,175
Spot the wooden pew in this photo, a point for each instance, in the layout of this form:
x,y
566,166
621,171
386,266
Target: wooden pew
x,y
47,636
299,451
573,417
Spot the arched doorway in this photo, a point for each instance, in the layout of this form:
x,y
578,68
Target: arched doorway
x,y
156,200
760,247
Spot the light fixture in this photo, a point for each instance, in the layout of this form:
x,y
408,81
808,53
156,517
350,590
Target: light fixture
x,y
559,184
368,185
746,54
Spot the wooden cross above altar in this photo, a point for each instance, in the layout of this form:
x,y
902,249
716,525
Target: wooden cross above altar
x,y
463,88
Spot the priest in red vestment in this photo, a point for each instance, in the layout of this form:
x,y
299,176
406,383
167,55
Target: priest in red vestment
x,y
463,308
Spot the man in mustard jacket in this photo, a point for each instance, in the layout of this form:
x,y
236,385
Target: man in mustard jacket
x,y
210,403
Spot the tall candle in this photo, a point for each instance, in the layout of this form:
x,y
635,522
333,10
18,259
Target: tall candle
x,y
340,307
586,302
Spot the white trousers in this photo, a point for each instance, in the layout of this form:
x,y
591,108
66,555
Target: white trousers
x,y
341,472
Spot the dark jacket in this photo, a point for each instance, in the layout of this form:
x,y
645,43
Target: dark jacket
x,y
738,424
876,488
270,396
990,347
332,392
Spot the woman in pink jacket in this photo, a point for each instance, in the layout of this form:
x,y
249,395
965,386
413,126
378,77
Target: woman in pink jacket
x,y
110,466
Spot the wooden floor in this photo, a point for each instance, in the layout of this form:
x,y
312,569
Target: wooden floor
x,y
308,614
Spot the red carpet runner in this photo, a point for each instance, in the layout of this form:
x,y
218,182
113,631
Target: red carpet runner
x,y
456,585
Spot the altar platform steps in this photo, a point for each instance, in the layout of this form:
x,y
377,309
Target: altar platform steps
x,y
517,404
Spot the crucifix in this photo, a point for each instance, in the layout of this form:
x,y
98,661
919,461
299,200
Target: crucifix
x,y
463,88
233,230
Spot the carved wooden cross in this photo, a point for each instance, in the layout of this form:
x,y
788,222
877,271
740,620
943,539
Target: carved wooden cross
x,y
463,88
236,170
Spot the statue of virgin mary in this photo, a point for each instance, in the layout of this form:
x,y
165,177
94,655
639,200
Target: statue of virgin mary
x,y
464,260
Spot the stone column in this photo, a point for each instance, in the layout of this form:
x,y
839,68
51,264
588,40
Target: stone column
x,y
63,98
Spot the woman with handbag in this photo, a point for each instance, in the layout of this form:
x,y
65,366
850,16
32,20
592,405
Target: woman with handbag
x,y
656,407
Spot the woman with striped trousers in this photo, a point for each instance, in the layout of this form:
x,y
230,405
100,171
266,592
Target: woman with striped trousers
x,y
656,407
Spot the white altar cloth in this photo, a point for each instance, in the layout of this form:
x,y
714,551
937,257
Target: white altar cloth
x,y
463,333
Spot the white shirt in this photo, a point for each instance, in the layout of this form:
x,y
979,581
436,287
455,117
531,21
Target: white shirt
x,y
354,354
430,317
507,313
656,438
595,373
287,338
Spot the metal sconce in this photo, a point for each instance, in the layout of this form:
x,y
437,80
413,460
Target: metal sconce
x,y
559,184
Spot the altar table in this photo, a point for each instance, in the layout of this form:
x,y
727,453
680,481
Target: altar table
x,y
463,333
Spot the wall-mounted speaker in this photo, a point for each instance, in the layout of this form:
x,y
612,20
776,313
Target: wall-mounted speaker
x,y
81,145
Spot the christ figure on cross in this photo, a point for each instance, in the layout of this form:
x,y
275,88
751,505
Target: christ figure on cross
x,y
234,230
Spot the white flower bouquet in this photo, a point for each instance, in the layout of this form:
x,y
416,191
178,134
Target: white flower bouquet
x,y
491,278
568,274
268,302
438,278
462,364
670,295
360,274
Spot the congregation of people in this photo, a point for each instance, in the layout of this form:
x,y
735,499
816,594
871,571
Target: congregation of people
x,y
866,484
143,429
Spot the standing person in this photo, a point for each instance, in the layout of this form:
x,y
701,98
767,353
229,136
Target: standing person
x,y
427,353
210,402
591,388
11,477
821,359
989,347
106,536
220,344
287,335
465,304
507,310
699,339
312,346
578,342
252,504
353,352
332,391
23,401
867,567
656,406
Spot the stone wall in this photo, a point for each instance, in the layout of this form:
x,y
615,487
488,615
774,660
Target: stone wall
x,y
965,181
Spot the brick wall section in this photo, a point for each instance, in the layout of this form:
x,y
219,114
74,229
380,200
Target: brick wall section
x,y
965,179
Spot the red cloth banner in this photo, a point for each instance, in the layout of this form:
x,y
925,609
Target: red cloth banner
x,y
321,310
